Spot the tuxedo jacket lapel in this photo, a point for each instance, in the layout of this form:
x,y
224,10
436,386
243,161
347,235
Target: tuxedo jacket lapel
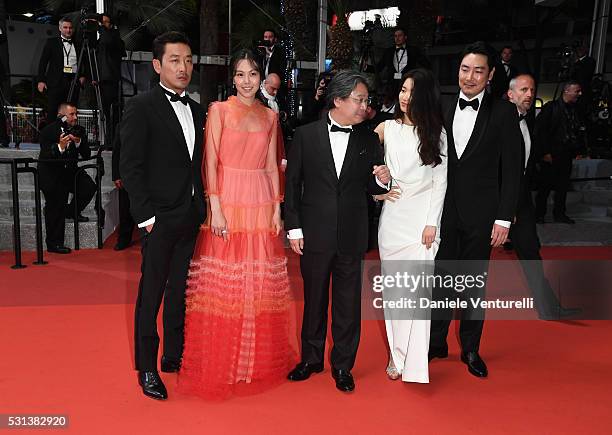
x,y
325,147
450,118
351,149
480,127
169,118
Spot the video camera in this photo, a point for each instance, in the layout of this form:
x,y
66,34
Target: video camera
x,y
89,24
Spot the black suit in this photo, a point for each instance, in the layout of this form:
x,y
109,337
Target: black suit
x,y
501,79
57,181
126,223
332,212
414,57
51,72
559,131
526,243
474,200
276,64
162,181
109,53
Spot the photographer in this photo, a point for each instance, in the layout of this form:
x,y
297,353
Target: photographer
x,y
313,109
63,141
110,51
559,137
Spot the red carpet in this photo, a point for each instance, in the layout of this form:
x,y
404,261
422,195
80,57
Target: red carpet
x,y
66,336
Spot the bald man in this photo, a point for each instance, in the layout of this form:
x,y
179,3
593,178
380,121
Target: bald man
x,y
269,90
523,233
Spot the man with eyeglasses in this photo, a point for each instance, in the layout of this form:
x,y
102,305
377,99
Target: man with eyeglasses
x,y
331,167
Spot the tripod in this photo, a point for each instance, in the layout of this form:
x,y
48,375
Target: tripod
x,y
95,73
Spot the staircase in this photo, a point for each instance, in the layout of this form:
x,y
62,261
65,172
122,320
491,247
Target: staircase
x,y
589,203
88,237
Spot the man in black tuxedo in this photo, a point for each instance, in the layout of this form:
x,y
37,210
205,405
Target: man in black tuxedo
x,y
272,57
161,163
63,141
331,167
504,72
126,222
110,50
400,59
484,142
523,232
58,67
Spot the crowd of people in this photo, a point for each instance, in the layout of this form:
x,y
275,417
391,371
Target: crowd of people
x,y
205,191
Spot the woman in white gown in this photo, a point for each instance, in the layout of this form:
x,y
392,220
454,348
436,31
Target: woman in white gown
x,y
408,234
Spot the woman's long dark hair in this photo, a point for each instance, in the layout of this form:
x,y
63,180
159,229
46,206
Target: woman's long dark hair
x,y
425,112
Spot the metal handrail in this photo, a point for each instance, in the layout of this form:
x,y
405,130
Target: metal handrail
x,y
15,170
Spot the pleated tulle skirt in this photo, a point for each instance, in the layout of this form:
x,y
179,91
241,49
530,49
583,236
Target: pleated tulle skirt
x,y
238,305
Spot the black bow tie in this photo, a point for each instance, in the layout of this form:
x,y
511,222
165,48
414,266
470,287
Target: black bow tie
x,y
399,49
465,103
334,128
174,97
69,41
522,117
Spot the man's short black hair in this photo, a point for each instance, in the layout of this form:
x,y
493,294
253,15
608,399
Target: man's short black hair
x,y
271,30
159,43
401,29
482,48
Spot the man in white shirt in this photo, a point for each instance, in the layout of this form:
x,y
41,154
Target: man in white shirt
x,y
331,168
484,143
58,69
161,170
523,232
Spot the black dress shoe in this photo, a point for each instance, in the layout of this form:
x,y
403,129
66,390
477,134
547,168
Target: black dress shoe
x,y
438,353
476,365
169,365
564,219
344,380
560,314
303,370
59,249
120,246
152,385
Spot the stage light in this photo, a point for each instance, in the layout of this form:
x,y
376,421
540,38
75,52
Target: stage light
x,y
28,14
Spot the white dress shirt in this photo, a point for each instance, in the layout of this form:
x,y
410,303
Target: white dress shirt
x,y
526,138
339,144
185,118
70,56
506,68
400,60
463,126
464,121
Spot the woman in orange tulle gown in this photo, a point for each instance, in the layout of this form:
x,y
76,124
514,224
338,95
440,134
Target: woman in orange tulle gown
x,y
238,298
